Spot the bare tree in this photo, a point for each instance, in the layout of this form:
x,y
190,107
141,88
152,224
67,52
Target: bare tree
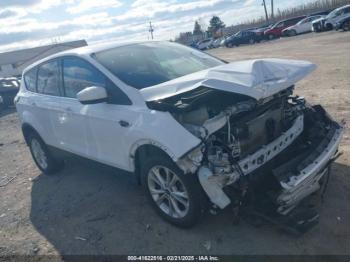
x,y
272,11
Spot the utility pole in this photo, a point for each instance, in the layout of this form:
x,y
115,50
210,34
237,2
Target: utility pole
x,y
151,29
272,12
267,17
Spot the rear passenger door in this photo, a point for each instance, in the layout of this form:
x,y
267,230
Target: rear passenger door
x,y
305,26
46,103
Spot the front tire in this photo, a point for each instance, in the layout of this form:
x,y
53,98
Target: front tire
x,y
42,156
177,197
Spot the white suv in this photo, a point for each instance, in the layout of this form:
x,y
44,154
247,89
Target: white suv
x,y
193,128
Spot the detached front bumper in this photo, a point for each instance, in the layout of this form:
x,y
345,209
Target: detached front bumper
x,y
313,168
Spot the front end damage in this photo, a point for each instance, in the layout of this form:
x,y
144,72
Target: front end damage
x,y
262,146
271,155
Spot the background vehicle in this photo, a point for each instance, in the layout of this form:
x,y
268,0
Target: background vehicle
x,y
260,31
303,26
8,89
204,44
242,37
336,15
321,13
318,25
276,30
223,41
194,45
216,43
330,21
343,24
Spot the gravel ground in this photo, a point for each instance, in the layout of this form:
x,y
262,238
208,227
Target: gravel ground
x,y
92,209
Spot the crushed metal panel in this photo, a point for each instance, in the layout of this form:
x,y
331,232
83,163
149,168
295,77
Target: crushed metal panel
x,y
257,78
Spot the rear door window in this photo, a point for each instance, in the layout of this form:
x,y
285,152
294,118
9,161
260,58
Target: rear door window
x,y
30,80
281,24
49,78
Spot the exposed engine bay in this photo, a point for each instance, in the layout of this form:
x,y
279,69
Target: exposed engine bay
x,y
279,148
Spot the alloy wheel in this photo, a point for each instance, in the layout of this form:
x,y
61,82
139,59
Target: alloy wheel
x,y
39,153
168,192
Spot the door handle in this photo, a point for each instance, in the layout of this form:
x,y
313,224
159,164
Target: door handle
x,y
33,104
124,123
68,109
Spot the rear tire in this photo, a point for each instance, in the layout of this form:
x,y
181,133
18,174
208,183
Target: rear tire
x,y
292,33
166,184
346,26
329,27
271,36
42,157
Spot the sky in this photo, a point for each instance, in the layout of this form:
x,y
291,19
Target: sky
x,y
29,23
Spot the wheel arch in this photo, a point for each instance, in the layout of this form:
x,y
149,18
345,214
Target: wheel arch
x,y
143,150
344,23
28,129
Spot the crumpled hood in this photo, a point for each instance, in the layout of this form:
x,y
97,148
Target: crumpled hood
x,y
257,78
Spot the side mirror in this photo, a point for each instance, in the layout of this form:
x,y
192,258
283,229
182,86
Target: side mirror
x,y
92,95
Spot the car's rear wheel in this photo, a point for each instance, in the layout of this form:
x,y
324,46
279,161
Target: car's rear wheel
x,y
229,45
271,36
42,156
176,196
329,27
346,26
292,33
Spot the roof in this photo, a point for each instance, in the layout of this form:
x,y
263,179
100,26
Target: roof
x,y
87,50
99,47
28,54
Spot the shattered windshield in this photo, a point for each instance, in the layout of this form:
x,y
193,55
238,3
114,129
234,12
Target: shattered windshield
x,y
147,64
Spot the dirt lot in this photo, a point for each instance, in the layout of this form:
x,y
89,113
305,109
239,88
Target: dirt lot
x,y
92,209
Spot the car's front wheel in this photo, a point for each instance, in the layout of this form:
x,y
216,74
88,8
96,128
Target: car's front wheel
x,y
176,196
42,156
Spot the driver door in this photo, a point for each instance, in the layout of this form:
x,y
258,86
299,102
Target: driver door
x,y
95,131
